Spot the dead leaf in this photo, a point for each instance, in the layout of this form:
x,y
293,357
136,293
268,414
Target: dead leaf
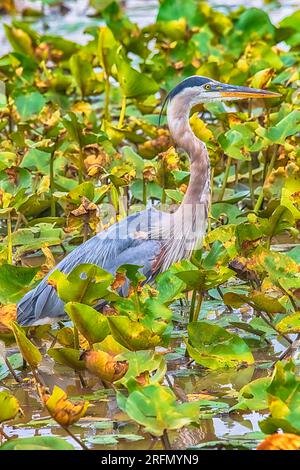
x,y
60,408
8,313
120,279
285,441
104,365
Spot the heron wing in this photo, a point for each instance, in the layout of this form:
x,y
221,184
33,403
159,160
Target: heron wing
x,y
118,245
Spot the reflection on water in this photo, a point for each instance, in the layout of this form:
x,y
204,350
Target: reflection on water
x,y
104,418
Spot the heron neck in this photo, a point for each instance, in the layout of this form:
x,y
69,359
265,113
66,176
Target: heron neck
x,y
180,129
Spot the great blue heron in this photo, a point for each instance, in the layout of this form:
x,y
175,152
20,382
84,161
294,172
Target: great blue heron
x,y
151,239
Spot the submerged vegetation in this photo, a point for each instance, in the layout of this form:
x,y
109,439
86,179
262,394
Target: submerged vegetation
x,y
214,341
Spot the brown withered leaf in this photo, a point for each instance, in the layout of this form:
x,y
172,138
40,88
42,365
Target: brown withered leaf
x,y
8,313
82,107
120,279
104,365
108,311
49,260
285,441
179,65
7,6
49,116
149,173
60,408
242,270
96,159
183,188
170,158
85,207
144,378
150,148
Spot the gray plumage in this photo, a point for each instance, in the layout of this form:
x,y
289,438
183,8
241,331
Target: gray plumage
x,y
110,249
150,239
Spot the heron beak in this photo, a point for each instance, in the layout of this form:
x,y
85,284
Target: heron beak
x,y
239,92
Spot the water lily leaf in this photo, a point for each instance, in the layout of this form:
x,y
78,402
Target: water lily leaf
x,y
20,40
29,351
14,282
30,104
170,286
176,10
231,212
91,324
132,335
254,396
290,199
157,317
112,439
37,443
289,324
67,357
107,48
284,400
155,408
104,440
257,300
141,365
9,406
215,348
262,78
134,84
74,128
14,179
104,365
35,159
86,283
281,220
110,345
205,279
84,75
252,23
289,125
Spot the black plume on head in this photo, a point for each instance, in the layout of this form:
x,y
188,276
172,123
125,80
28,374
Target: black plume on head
x,y
189,82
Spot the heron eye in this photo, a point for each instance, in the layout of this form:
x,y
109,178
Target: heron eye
x,y
207,86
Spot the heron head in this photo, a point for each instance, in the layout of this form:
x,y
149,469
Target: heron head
x,y
194,90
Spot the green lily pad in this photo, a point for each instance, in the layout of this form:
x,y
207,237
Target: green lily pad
x,y
215,348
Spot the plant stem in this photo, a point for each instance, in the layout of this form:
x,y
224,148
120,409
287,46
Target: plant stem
x,y
107,96
81,165
266,319
227,169
290,349
192,308
36,376
76,338
198,307
122,113
82,381
165,441
251,183
52,200
270,168
11,370
84,447
3,433
144,192
9,240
